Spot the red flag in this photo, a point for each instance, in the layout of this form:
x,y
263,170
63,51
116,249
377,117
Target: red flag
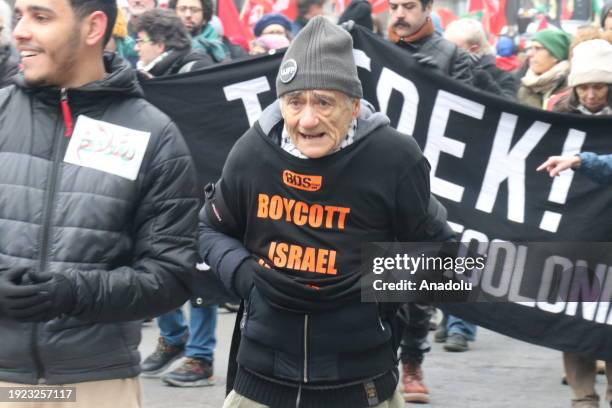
x,y
253,10
379,6
496,10
232,27
446,16
475,5
543,24
340,6
288,8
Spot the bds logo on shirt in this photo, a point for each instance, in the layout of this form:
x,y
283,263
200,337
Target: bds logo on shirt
x,y
302,181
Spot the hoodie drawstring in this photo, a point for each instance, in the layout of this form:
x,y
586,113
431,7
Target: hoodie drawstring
x,y
66,113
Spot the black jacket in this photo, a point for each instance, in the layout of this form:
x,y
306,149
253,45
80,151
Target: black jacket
x,y
349,343
8,66
178,62
447,57
489,78
127,246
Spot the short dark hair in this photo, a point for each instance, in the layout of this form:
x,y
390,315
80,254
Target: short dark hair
x,y
207,8
164,27
83,8
425,3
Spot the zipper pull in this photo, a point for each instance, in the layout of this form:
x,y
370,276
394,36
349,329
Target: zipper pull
x,y
66,113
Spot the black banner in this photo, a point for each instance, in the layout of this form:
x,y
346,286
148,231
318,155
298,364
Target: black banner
x,y
483,151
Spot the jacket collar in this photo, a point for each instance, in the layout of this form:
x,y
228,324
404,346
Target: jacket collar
x,y
120,80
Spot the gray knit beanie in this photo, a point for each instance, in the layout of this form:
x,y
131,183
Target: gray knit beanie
x,y
320,57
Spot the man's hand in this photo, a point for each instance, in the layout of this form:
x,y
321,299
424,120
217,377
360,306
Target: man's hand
x,y
425,60
243,278
57,291
348,25
18,300
556,164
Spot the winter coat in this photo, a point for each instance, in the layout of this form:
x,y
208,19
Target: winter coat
x,y
491,79
128,246
209,43
535,89
348,343
449,58
178,62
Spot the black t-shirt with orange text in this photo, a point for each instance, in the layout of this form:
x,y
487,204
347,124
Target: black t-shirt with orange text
x,y
310,216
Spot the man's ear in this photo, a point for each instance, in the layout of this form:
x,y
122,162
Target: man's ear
x,y
474,49
94,27
356,107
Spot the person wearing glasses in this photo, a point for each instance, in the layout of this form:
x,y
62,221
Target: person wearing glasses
x,y
196,15
548,68
164,47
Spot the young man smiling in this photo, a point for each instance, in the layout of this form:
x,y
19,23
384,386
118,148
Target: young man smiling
x,y
98,209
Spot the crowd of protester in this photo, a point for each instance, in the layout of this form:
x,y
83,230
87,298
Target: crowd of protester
x,y
550,69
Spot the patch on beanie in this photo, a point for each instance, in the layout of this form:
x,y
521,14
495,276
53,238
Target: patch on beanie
x,y
288,71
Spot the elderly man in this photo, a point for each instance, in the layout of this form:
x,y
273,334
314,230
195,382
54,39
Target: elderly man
x,y
330,175
469,35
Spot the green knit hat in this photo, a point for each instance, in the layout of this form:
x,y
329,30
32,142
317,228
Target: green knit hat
x,y
557,42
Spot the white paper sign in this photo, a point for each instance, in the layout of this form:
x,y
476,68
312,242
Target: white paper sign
x,y
106,147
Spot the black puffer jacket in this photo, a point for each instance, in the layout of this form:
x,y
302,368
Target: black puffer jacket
x,y
128,246
449,58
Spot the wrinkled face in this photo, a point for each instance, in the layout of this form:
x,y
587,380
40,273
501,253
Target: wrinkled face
x,y
594,96
460,39
540,59
318,120
190,13
407,16
47,35
147,50
137,7
608,21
